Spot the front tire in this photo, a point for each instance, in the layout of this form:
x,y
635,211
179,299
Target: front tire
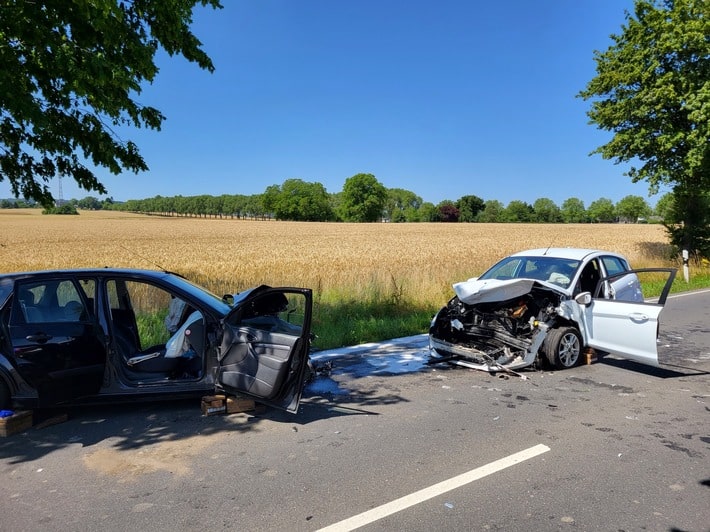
x,y
563,347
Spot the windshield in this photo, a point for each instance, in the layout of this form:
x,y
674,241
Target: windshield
x,y
204,295
550,269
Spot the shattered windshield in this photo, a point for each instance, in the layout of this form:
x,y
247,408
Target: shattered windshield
x,y
550,269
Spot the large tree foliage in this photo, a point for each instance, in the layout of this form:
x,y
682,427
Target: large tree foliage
x,y
518,211
493,211
69,74
652,91
573,211
297,200
363,199
546,211
602,211
469,207
630,208
402,204
447,212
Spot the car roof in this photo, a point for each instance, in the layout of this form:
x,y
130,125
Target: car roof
x,y
174,279
564,253
85,271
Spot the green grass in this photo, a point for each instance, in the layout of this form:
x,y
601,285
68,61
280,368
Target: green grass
x,y
151,328
342,323
698,280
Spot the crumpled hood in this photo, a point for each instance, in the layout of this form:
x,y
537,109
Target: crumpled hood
x,y
476,291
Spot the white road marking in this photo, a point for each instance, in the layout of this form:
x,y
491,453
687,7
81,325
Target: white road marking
x,y
684,294
425,494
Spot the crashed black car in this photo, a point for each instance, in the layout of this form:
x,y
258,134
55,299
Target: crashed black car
x,y
92,335
548,305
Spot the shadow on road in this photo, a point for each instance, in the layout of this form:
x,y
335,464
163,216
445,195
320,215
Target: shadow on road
x,y
133,426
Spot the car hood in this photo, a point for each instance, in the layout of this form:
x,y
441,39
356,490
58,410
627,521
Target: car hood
x,y
476,291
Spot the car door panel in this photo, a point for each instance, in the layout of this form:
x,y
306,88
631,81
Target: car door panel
x,y
256,362
628,328
625,329
263,352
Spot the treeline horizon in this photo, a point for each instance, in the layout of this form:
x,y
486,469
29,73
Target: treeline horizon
x,y
297,200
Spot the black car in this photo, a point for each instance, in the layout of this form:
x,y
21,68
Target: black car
x,y
91,335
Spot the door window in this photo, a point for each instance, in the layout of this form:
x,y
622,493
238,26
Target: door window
x,y
49,302
614,265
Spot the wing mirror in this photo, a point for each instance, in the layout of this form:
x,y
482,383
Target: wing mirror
x,y
584,298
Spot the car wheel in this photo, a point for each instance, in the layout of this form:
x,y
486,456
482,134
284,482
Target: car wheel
x,y
562,347
5,402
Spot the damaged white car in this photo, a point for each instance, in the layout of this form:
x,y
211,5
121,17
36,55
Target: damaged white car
x,y
549,305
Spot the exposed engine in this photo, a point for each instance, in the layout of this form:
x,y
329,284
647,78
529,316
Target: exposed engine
x,y
499,333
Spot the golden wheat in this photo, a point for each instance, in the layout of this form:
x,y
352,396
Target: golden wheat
x,y
420,261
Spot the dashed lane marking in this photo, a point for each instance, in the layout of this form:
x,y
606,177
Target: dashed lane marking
x,y
425,494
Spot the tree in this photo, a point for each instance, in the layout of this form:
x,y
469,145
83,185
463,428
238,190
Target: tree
x,y
546,211
69,75
573,211
447,212
298,200
518,211
363,199
427,212
400,202
675,221
602,211
469,207
492,212
89,203
664,206
652,92
631,208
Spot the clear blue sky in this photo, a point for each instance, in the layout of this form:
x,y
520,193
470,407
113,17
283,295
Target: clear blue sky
x,y
444,98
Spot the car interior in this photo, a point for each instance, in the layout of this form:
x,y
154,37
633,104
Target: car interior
x,y
178,357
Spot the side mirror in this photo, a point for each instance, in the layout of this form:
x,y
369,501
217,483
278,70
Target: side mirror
x,y
584,298
228,299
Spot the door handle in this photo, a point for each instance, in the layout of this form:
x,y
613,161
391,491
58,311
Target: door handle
x,y
638,317
40,338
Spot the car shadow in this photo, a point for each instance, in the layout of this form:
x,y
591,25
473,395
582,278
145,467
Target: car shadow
x,y
133,426
666,371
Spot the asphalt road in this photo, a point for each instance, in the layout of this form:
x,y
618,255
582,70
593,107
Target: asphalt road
x,y
386,443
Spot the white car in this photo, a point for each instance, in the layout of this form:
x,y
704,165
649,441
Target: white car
x,y
549,304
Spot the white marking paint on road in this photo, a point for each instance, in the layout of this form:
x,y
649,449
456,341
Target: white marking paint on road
x,y
684,294
425,494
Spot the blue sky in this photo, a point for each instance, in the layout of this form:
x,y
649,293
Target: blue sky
x,y
444,98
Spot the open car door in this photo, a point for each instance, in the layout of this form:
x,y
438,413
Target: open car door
x,y
626,328
265,346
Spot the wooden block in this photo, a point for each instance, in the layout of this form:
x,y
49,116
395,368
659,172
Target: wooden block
x,y
213,404
239,404
18,422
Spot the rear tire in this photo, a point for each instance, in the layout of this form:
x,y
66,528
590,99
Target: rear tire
x,y
563,347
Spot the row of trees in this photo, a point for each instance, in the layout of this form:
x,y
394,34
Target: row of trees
x,y
365,199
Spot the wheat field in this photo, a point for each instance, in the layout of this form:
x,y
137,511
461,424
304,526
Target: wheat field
x,y
415,261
